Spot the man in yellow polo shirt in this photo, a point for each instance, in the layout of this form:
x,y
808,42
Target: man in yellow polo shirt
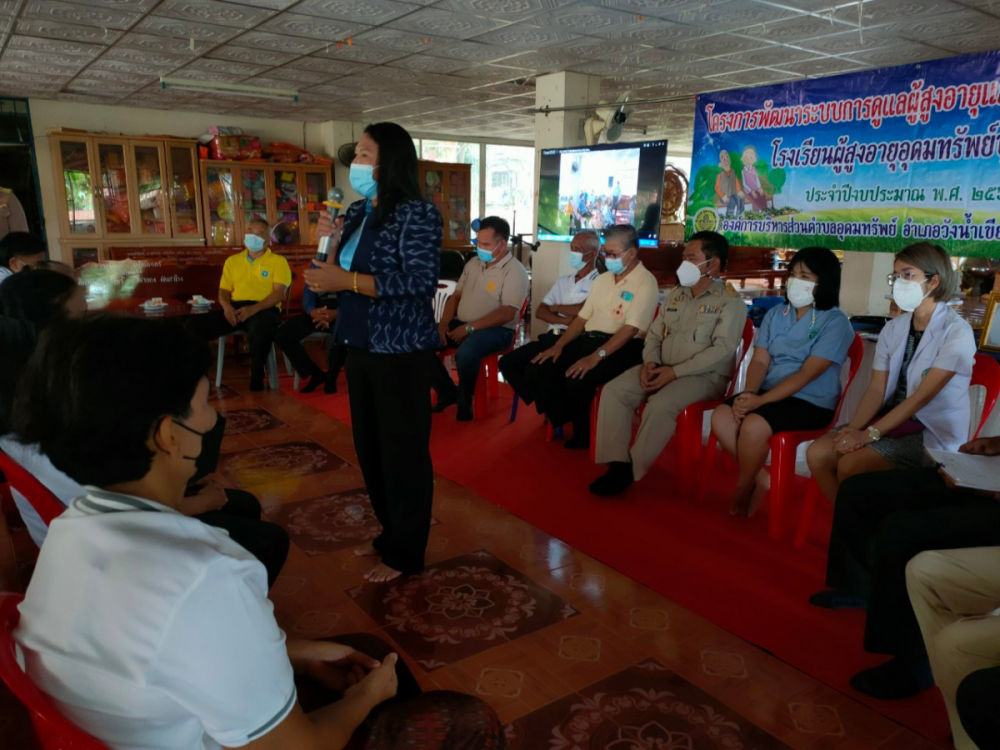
x,y
252,287
602,342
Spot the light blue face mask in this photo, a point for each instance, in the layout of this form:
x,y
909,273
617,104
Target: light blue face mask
x,y
362,180
484,255
615,265
253,243
576,261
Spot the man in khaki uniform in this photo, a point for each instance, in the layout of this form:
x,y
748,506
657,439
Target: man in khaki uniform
x,y
688,357
601,343
481,316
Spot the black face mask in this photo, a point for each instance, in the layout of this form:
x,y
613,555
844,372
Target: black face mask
x,y
211,444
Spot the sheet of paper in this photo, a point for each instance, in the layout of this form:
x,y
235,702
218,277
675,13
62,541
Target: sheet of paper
x,y
975,472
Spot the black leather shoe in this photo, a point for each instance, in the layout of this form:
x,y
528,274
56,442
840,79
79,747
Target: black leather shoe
x,y
315,381
463,414
256,386
615,480
443,402
896,679
833,599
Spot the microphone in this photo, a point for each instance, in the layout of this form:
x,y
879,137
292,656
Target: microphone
x,y
333,204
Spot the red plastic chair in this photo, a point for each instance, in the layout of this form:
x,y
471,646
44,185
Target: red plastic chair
x,y
37,494
985,372
54,731
783,447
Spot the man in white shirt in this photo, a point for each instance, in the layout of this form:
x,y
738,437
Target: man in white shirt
x,y
150,629
559,308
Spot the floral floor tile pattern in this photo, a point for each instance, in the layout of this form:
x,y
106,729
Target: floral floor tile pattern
x,y
644,707
250,420
274,463
460,607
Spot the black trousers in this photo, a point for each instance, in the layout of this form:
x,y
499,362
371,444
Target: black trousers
x,y
564,399
390,396
977,707
514,365
883,520
260,330
240,516
290,336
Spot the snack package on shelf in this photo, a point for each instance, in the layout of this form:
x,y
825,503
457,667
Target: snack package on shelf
x,y
235,148
225,130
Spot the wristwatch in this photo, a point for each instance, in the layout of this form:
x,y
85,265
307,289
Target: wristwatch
x,y
874,434
469,328
601,353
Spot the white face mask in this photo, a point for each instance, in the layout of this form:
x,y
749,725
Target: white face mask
x,y
689,274
908,294
800,292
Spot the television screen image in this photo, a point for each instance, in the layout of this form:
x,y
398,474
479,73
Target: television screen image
x,y
597,187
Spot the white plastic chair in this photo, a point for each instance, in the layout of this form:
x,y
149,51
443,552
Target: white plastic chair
x,y
272,358
446,288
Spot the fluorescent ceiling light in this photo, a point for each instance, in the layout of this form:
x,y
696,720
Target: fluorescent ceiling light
x,y
229,89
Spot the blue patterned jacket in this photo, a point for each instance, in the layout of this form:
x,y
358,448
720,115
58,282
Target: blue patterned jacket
x,y
406,263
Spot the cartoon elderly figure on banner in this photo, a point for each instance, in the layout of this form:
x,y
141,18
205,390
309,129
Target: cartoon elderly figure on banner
x,y
752,187
728,192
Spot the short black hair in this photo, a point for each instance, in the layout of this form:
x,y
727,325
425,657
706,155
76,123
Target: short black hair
x,y
625,233
19,243
36,296
97,387
822,262
713,245
398,178
499,226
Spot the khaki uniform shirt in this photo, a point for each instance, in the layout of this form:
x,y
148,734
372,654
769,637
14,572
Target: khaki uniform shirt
x,y
485,290
697,335
12,217
629,301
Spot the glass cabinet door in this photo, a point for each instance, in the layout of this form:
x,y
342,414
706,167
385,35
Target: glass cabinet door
x,y
286,204
221,202
317,185
113,176
183,191
458,206
254,186
151,195
74,159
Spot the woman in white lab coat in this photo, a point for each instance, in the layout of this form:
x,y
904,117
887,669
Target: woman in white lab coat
x,y
919,391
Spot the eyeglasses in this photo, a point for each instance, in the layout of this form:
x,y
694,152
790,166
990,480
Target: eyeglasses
x,y
891,278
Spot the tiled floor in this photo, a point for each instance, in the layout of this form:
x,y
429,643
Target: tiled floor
x,y
571,653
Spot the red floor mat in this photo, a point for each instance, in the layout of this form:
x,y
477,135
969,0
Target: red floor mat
x,y
723,568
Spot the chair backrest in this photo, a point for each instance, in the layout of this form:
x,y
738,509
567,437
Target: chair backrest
x,y
855,353
445,289
55,731
741,354
986,372
37,494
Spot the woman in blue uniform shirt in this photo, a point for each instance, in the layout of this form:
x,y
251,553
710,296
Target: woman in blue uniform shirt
x,y
919,391
385,276
793,381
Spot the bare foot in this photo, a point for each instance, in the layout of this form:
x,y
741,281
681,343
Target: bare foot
x,y
367,550
741,501
382,573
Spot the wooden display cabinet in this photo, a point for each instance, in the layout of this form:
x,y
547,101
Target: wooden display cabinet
x,y
289,197
124,190
449,188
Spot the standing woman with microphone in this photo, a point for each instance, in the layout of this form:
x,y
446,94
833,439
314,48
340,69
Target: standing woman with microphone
x,y
385,272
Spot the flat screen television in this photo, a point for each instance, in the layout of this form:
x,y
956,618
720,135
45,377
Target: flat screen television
x,y
595,187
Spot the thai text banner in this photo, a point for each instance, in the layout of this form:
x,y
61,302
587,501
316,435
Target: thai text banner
x,y
867,161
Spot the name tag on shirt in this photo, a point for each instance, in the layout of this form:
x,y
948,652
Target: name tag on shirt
x,y
627,296
671,309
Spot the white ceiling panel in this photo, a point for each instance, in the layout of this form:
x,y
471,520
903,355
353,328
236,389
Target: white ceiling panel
x,y
310,27
278,42
435,22
429,64
84,15
252,55
186,29
367,12
67,31
214,12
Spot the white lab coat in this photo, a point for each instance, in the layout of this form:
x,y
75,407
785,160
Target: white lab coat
x,y
947,344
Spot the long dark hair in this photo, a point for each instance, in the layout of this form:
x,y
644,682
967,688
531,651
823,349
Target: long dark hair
x,y
397,168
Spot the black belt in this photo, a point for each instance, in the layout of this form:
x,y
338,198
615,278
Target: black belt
x,y
597,335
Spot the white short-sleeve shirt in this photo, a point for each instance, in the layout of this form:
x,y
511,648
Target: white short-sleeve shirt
x,y
568,291
153,630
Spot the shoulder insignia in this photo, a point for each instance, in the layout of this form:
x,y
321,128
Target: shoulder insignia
x,y
732,290
5,190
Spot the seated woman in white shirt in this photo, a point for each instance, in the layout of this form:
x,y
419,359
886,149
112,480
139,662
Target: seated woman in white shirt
x,y
150,629
918,396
